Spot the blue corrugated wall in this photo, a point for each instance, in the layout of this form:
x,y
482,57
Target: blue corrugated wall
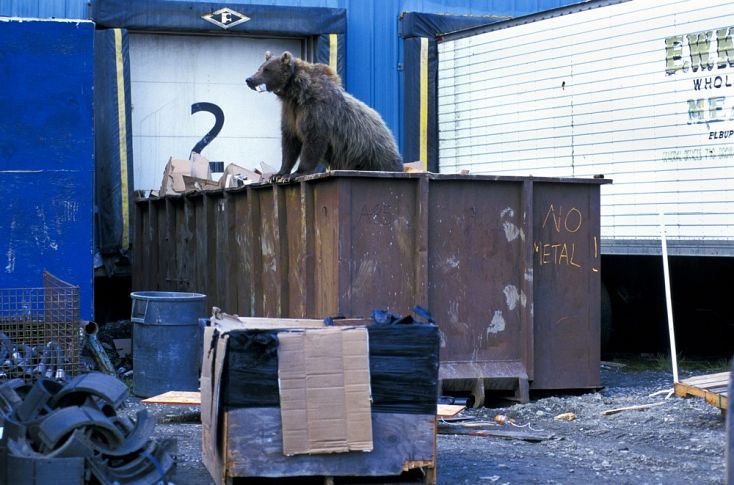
x,y
46,155
374,51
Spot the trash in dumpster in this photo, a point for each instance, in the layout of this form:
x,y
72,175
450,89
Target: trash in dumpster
x,y
73,430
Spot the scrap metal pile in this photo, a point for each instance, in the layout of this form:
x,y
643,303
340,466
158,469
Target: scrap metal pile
x,y
23,360
72,433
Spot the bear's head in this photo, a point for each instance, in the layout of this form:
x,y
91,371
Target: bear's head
x,y
274,74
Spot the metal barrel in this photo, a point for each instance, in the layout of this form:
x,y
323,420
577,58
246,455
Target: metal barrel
x,y
167,341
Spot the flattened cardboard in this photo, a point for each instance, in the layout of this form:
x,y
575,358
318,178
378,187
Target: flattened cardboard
x,y
324,384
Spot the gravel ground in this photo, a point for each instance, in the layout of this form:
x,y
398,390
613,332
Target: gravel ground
x,y
680,441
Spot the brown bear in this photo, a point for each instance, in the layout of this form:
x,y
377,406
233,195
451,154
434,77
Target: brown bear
x,y
321,122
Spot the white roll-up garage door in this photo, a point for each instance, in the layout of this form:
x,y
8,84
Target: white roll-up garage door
x,y
171,73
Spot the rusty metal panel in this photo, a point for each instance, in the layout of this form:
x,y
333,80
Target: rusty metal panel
x,y
295,250
269,287
377,245
326,224
567,285
475,278
508,266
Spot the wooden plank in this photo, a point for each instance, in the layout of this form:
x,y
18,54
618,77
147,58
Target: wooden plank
x,y
448,410
609,412
498,432
254,447
716,399
720,379
188,398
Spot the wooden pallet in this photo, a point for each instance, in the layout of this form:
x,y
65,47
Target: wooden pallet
x,y
712,387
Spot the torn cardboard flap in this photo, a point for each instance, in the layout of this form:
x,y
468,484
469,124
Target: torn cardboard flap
x,y
173,174
236,176
413,167
324,385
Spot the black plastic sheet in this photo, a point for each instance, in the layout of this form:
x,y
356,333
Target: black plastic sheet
x,y
250,374
403,358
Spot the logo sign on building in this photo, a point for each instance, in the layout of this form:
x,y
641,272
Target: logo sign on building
x,y
225,18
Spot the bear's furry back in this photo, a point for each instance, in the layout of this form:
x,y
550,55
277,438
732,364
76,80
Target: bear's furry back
x,y
315,102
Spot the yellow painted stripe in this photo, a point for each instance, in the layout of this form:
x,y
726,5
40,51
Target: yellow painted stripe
x,y
333,48
423,116
122,121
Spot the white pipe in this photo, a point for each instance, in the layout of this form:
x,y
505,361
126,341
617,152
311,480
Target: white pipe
x,y
668,300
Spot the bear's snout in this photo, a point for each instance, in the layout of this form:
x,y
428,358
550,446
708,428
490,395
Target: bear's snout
x,y
256,84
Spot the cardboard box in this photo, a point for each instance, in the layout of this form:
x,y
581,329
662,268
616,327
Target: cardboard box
x,y
245,436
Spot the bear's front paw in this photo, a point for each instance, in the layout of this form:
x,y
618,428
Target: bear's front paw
x,y
282,177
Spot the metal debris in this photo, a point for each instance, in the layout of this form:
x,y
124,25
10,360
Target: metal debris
x,y
71,433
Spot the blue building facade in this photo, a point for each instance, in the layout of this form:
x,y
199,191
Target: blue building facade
x,y
46,155
375,50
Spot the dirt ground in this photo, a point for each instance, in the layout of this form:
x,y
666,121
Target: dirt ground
x,y
679,441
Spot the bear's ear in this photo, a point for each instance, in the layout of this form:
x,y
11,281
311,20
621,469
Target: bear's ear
x,y
286,57
268,55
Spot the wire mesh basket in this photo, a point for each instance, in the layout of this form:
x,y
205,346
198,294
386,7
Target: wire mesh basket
x,y
39,331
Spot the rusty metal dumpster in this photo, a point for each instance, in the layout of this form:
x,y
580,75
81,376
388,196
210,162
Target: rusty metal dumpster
x,y
508,266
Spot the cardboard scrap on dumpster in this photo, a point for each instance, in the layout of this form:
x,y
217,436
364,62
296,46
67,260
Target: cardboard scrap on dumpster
x,y
173,175
192,184
414,167
236,176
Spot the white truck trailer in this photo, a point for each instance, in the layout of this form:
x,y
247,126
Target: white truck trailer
x,y
639,91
